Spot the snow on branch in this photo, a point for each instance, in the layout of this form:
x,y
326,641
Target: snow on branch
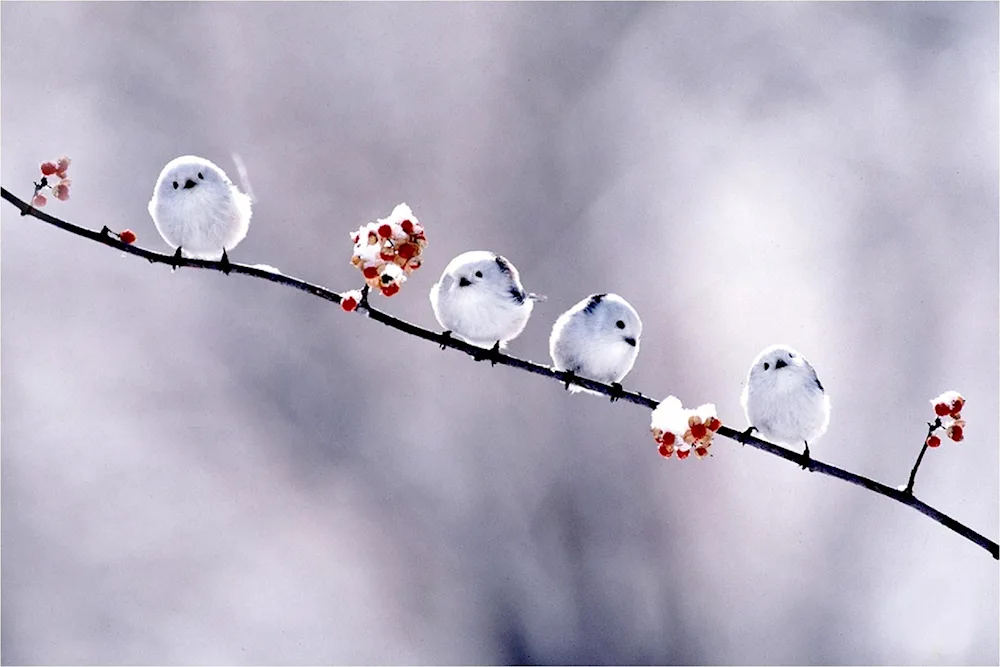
x,y
697,424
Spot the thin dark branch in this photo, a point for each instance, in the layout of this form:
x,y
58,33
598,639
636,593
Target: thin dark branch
x,y
931,427
814,465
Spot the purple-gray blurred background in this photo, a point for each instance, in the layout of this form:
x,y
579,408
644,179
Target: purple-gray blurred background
x,y
202,469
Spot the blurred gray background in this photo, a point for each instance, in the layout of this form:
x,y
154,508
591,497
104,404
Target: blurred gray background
x,y
202,469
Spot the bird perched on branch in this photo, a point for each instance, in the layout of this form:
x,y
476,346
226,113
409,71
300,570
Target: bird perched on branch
x,y
598,338
198,210
784,400
479,298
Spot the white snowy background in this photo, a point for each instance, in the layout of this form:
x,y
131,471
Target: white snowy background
x,y
208,469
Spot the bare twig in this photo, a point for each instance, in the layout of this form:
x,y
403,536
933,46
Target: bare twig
x,y
931,427
905,497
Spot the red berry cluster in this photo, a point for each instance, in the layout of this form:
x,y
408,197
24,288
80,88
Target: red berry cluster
x,y
679,431
388,250
50,172
948,408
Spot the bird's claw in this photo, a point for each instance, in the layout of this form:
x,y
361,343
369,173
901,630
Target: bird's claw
x,y
568,377
177,260
492,354
617,391
746,434
807,464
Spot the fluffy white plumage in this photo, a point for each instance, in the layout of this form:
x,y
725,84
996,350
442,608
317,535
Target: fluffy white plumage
x,y
480,299
598,338
783,398
197,208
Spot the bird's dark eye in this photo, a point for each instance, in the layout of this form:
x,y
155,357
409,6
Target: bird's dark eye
x,y
479,274
620,324
200,176
175,185
766,365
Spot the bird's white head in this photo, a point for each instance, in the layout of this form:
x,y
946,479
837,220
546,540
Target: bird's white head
x,y
188,177
611,319
485,272
781,367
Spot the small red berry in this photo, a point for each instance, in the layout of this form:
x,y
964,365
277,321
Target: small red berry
x,y
669,438
407,226
127,237
956,433
62,165
349,304
933,441
61,191
390,289
407,250
941,409
702,452
665,451
387,254
38,200
698,431
356,237
49,168
957,404
713,424
683,453
370,272
385,231
955,414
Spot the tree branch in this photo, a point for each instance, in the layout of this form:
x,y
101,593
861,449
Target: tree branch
x,y
905,497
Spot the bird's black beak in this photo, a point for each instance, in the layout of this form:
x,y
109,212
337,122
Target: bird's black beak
x,y
630,341
464,282
780,363
188,184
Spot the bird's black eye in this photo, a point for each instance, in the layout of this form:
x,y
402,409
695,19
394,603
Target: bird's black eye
x,y
175,185
766,365
479,274
620,324
200,176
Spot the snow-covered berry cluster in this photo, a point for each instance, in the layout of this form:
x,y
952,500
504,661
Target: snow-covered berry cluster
x,y
50,172
389,249
948,408
682,431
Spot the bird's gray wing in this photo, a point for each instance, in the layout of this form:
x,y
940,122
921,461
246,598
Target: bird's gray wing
x,y
815,377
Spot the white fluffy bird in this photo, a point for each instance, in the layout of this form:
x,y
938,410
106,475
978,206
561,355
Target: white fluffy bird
x,y
479,298
198,210
598,338
784,399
